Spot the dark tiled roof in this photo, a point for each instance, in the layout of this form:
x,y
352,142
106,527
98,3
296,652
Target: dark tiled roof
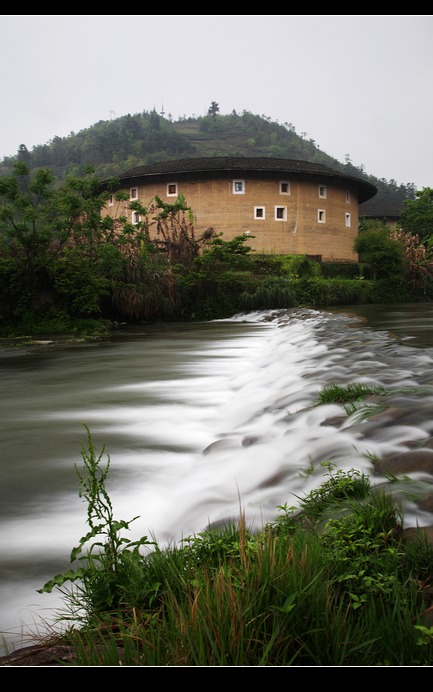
x,y
240,164
382,208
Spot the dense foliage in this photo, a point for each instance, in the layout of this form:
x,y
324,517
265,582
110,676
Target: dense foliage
x,y
417,217
65,265
399,256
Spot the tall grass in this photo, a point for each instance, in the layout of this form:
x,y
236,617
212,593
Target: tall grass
x,y
331,583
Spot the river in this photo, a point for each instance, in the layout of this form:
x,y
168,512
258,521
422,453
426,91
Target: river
x,y
199,421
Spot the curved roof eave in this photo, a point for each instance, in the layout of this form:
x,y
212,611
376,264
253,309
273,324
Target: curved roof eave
x,y
245,165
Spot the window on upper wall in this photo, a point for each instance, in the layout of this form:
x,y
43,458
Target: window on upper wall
x,y
133,193
136,217
111,200
321,216
280,213
238,187
284,187
348,220
322,191
259,212
172,190
348,196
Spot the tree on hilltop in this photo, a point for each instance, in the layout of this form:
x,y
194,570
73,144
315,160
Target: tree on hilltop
x,y
214,109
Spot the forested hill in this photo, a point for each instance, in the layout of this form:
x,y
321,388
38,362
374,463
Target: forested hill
x,y
114,146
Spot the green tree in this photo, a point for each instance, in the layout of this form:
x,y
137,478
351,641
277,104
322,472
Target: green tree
x,y
218,276
223,255
214,109
382,255
33,230
24,155
417,216
60,249
56,246
372,225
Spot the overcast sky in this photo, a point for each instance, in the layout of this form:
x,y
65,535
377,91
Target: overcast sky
x,y
360,86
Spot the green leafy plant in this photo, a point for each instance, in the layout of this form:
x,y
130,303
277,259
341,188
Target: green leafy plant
x,y
340,487
357,530
329,583
351,392
110,557
353,396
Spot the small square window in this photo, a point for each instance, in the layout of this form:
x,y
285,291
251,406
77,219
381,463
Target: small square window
x,y
238,187
259,212
322,191
284,188
136,217
348,220
172,190
280,213
321,216
133,193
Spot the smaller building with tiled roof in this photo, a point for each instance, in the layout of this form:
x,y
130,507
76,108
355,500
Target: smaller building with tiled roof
x,y
284,206
388,211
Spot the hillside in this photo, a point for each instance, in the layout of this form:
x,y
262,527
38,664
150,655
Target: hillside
x,y
114,146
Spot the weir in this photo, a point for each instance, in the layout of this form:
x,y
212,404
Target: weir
x,y
202,422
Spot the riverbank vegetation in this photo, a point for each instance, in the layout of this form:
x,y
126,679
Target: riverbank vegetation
x,y
332,582
65,268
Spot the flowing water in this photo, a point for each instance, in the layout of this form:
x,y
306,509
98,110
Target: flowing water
x,y
200,421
